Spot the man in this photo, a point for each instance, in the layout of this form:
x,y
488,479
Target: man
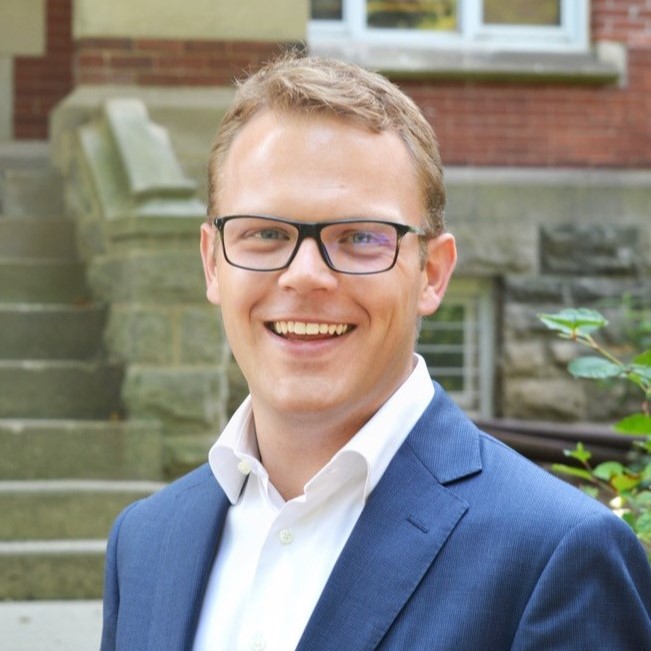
x,y
349,504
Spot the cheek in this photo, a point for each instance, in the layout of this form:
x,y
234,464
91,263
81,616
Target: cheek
x,y
239,293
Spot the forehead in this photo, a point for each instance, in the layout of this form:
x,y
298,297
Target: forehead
x,y
282,158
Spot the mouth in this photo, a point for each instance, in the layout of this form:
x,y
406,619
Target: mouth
x,y
309,329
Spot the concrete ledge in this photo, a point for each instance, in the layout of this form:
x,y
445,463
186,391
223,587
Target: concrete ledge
x,y
59,389
191,116
482,64
42,281
52,569
51,625
39,449
50,331
25,154
541,195
65,509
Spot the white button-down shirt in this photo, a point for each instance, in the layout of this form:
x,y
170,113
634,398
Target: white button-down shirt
x,y
275,557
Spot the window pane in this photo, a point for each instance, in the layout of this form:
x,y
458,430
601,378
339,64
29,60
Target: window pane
x,y
442,344
457,344
522,12
440,15
326,9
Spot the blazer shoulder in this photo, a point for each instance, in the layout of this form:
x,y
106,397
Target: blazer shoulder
x,y
198,485
492,478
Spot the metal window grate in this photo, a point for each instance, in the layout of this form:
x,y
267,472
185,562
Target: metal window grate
x,y
457,345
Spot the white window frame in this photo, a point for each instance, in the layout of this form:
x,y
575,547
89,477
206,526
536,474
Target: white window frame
x,y
571,36
476,298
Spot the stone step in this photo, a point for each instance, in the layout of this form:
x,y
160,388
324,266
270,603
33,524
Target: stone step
x,y
59,389
51,625
24,154
53,569
42,281
50,331
65,509
32,192
73,449
37,238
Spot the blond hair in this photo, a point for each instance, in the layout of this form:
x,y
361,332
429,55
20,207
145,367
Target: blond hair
x,y
322,86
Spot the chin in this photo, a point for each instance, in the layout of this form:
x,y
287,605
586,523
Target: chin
x,y
300,395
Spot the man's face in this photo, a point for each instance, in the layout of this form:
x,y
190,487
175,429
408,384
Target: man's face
x,y
310,170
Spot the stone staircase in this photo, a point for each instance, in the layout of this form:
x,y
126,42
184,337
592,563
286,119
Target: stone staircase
x,y
68,461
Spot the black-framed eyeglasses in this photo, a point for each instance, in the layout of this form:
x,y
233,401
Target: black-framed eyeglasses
x,y
349,246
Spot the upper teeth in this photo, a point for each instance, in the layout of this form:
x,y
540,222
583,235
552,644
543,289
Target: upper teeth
x,y
303,328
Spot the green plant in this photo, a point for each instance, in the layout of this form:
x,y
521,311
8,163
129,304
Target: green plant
x,y
627,487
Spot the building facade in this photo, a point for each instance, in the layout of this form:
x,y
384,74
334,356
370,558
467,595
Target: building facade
x,y
542,111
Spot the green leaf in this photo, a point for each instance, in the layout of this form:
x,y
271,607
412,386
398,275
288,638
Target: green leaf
x,y
607,470
643,524
629,518
579,453
641,370
573,471
593,491
574,320
623,483
643,359
594,368
643,499
637,424
646,473
643,446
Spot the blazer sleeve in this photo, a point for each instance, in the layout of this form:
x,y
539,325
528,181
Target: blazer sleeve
x,y
594,594
111,585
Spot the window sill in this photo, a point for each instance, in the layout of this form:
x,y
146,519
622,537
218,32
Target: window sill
x,y
606,65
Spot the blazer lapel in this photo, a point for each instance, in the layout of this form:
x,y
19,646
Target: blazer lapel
x,y
404,525
188,553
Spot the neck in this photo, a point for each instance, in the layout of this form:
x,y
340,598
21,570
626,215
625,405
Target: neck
x,y
293,449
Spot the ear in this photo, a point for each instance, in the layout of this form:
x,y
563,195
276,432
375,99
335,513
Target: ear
x,y
437,271
208,256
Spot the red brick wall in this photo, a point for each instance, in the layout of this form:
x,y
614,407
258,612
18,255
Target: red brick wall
x,y
41,82
552,124
158,62
543,125
627,22
478,123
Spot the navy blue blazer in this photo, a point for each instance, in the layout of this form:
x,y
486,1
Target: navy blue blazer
x,y
464,545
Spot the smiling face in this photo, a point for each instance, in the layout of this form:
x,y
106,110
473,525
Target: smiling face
x,y
312,342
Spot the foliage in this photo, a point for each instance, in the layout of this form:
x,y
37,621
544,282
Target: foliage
x,y
627,486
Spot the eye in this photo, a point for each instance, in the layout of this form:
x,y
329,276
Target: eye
x,y
365,237
268,234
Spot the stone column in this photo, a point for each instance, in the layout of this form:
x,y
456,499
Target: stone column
x,y
138,220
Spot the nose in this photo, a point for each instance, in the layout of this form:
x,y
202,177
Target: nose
x,y
308,270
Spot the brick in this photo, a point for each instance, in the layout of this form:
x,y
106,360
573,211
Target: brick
x,y
159,45
119,61
208,46
106,43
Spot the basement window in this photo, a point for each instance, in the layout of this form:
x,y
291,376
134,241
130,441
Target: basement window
x,y
457,343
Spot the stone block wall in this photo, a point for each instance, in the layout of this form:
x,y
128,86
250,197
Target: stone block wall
x,y
138,220
580,266
551,240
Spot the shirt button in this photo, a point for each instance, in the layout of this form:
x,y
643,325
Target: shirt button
x,y
258,643
286,536
244,467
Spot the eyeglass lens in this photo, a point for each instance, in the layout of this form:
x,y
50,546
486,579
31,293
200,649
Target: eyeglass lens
x,y
351,247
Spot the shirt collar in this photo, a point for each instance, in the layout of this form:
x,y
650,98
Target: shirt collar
x,y
235,454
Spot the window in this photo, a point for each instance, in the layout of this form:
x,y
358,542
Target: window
x,y
457,344
548,25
